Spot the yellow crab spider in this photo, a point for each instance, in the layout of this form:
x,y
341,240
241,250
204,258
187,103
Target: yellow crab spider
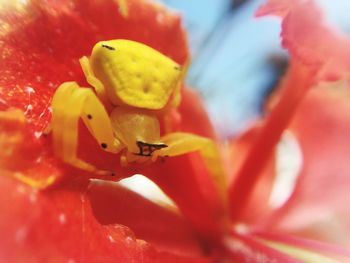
x,y
134,85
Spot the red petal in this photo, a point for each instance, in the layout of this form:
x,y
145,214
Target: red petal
x,y
59,224
277,7
194,118
41,43
319,205
309,40
294,87
257,204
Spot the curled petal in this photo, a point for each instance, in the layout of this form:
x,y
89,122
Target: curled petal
x,y
318,207
309,40
160,226
258,203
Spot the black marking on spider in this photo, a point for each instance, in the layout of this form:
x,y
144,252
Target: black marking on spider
x,y
146,149
177,68
104,145
108,47
89,116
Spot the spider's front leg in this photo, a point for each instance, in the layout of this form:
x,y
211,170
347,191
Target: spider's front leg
x,y
179,143
94,82
70,103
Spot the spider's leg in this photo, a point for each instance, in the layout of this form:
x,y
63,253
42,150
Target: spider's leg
x,y
94,82
181,143
70,103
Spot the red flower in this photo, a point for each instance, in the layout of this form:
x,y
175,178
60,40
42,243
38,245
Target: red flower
x,y
54,212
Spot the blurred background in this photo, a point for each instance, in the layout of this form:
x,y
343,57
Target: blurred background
x,y
236,58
